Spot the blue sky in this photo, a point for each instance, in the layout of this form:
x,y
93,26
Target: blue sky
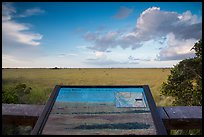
x,y
99,34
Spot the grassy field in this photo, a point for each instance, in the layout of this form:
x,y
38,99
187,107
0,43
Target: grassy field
x,y
42,81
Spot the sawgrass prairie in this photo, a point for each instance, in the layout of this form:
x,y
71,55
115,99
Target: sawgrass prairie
x,y
42,81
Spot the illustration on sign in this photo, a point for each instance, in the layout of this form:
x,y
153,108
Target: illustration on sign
x,y
129,99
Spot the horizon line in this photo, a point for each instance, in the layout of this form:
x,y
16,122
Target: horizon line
x,y
82,68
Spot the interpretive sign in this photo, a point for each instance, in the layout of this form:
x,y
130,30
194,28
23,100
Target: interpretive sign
x,y
100,110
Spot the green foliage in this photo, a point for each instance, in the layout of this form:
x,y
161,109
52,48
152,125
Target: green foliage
x,y
198,49
18,94
8,95
185,84
22,92
39,95
185,81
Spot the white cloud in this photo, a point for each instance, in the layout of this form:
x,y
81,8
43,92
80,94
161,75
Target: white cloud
x,y
102,42
116,58
17,32
18,40
131,58
107,62
97,55
154,24
188,17
31,12
7,11
100,54
177,49
123,12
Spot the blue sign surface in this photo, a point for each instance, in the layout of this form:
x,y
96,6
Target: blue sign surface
x,y
92,94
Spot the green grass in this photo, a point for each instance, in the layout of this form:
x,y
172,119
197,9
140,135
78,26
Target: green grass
x,y
42,81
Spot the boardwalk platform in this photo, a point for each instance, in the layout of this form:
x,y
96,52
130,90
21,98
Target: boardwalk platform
x,y
174,117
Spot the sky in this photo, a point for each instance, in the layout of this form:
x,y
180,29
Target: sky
x,y
99,34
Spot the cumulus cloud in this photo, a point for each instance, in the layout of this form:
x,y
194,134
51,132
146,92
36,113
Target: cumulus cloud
x,y
176,49
188,17
102,42
111,39
153,23
123,12
15,31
